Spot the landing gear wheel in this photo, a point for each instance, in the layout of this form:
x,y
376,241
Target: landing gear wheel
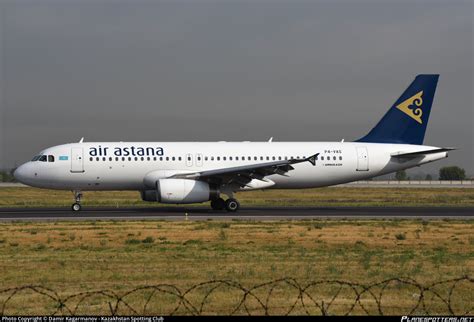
x,y
232,205
218,204
76,206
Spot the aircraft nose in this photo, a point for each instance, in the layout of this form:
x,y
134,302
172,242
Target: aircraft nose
x,y
21,174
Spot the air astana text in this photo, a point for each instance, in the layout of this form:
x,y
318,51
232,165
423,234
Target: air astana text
x,y
126,151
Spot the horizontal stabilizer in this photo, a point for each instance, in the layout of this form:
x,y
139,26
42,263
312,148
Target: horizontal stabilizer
x,y
419,153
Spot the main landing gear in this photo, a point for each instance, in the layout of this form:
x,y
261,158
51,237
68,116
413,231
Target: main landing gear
x,y
76,206
231,204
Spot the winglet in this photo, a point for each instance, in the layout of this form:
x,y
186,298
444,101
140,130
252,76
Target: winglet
x,y
312,159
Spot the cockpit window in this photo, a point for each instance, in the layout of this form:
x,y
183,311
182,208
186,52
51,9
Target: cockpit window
x,y
50,158
35,158
43,158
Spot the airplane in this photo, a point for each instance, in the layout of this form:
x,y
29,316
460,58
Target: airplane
x,y
197,172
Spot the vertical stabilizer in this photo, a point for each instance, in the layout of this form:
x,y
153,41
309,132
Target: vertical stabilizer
x,y
406,121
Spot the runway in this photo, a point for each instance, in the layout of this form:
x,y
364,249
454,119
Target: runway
x,y
251,213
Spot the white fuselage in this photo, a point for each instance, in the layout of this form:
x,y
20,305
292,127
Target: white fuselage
x,y
127,165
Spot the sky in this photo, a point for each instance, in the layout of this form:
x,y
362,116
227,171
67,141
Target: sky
x,y
228,70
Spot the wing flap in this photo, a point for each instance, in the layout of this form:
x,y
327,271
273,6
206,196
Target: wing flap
x,y
244,174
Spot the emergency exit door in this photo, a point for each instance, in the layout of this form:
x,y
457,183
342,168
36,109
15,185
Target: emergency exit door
x,y
199,160
189,160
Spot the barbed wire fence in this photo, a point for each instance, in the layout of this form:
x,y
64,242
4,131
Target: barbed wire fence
x,y
285,296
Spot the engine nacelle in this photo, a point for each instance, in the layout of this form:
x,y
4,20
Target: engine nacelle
x,y
148,195
180,191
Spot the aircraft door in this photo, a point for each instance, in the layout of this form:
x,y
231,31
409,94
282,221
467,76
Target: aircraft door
x,y
77,160
189,160
199,159
362,159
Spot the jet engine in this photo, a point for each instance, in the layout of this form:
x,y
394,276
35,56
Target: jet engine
x,y
180,191
148,195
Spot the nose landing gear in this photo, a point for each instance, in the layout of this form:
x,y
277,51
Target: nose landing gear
x,y
76,206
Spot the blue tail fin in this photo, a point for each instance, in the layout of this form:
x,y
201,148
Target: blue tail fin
x,y
406,121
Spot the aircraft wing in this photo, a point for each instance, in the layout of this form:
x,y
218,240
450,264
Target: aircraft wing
x,y
419,153
242,175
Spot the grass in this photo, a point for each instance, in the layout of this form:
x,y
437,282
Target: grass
x,y
72,257
344,196
400,236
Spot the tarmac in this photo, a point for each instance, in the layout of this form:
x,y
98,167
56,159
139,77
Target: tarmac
x,y
245,213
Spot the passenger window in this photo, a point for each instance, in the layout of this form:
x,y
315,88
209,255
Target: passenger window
x,y
103,158
334,158
273,158
129,158
279,158
179,158
91,159
123,158
206,158
236,158
173,158
154,158
116,158
255,158
340,158
148,158
268,158
230,158
223,158
218,158
110,159
161,158
97,159
167,158
261,158
249,158
212,158
136,158
322,158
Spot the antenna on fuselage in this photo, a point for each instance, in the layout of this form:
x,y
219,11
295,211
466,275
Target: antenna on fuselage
x,y
270,139
81,140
